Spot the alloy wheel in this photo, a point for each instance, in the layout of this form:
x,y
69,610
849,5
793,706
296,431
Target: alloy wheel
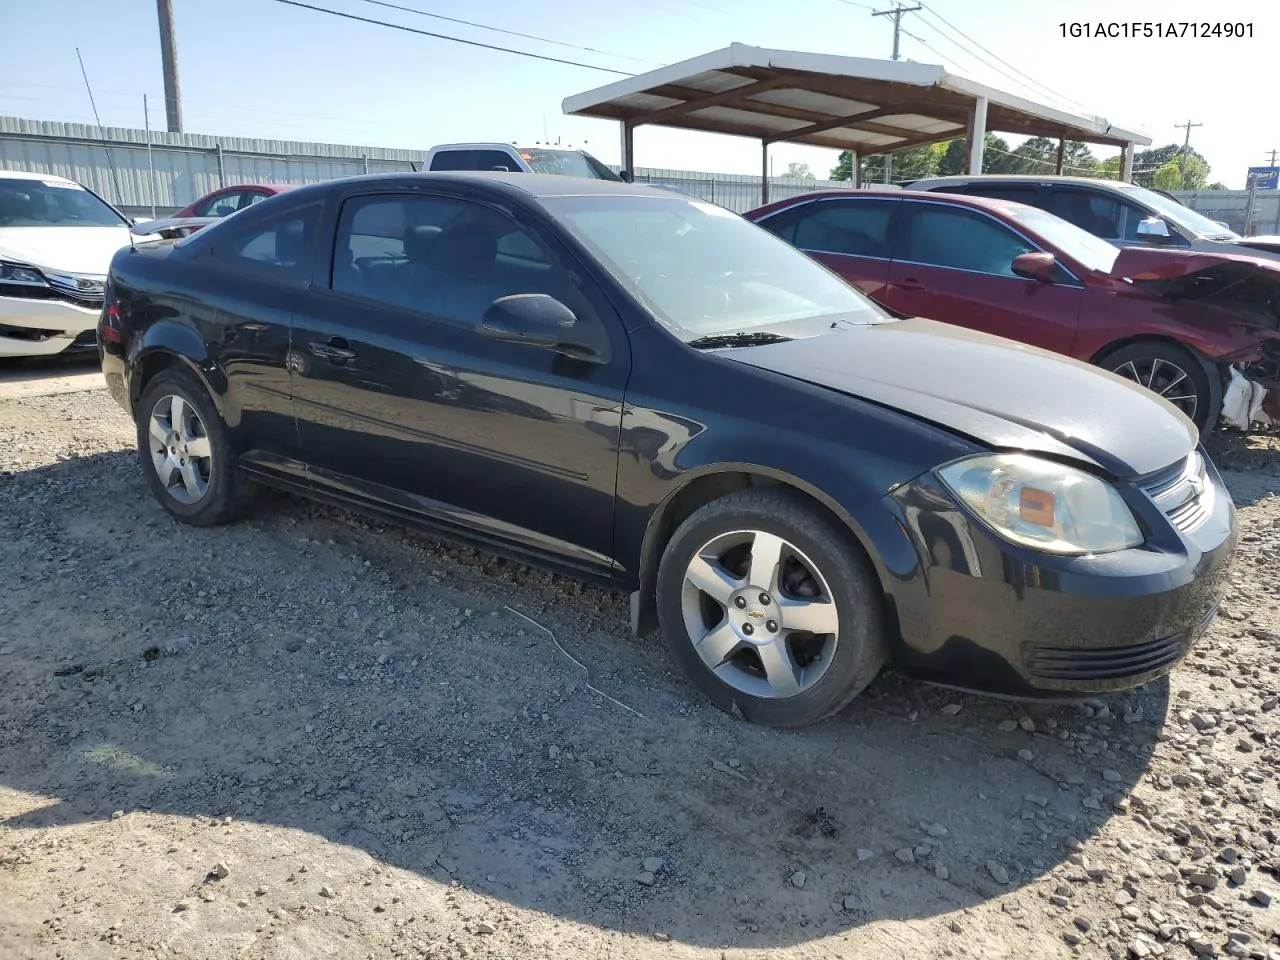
x,y
1164,378
760,614
180,449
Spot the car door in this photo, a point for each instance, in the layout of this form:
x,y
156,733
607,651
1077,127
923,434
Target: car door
x,y
954,264
852,237
402,401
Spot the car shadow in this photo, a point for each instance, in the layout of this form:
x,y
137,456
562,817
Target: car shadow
x,y
311,669
1250,459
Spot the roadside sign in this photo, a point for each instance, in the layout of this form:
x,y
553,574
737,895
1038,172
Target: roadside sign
x,y
1266,178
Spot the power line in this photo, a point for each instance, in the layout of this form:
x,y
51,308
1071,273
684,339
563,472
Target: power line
x,y
445,36
509,33
898,12
1027,76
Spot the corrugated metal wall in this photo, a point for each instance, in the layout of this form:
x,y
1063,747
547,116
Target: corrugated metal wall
x,y
189,165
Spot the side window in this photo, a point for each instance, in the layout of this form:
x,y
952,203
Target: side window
x,y
1027,195
1091,210
950,237
854,227
440,256
224,204
783,225
281,247
252,197
454,160
493,159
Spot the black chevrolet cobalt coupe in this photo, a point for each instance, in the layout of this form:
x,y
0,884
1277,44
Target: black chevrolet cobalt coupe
x,y
645,390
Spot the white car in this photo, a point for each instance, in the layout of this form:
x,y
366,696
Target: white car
x,y
56,243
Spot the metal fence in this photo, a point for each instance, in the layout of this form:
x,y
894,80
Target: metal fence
x,y
169,170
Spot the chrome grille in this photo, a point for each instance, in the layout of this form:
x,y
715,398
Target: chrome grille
x,y
1182,491
83,290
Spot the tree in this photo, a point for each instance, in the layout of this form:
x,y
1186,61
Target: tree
x,y
1147,162
954,157
1111,168
798,171
1216,185
913,163
1169,176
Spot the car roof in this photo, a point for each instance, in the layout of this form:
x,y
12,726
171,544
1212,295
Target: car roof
x,y
32,175
985,203
1027,178
535,185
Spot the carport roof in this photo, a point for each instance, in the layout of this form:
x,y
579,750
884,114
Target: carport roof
x,y
848,103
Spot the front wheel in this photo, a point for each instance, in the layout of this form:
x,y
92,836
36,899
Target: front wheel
x,y
1174,373
769,608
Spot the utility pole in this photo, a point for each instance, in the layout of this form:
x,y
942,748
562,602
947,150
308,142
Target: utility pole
x,y
1186,148
1273,156
896,13
169,62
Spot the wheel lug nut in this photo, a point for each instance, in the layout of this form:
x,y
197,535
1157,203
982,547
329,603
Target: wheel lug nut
x,y
772,626
764,599
740,602
748,629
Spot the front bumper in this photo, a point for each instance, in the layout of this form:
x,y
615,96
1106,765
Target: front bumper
x,y
988,615
42,328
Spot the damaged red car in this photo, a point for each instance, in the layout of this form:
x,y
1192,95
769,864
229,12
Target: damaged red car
x,y
1193,327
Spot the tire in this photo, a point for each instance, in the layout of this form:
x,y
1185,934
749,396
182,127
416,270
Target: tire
x,y
779,675
205,486
1143,361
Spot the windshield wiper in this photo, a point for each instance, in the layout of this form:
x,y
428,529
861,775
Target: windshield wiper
x,y
737,340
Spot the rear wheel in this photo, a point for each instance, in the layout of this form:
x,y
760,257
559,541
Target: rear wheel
x,y
1174,373
769,608
185,452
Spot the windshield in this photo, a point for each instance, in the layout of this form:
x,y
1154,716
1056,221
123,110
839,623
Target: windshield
x,y
703,270
1080,245
567,163
1194,223
52,203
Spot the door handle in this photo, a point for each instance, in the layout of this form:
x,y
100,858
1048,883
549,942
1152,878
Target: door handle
x,y
336,349
910,283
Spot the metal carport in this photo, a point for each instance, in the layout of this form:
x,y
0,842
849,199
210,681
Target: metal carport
x,y
847,103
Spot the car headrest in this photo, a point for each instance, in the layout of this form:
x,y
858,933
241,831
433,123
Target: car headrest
x,y
420,242
289,241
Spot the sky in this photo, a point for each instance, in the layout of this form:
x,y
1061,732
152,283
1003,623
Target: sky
x,y
263,68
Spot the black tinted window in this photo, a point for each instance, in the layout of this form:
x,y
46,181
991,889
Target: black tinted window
x,y
440,256
949,237
995,191
281,246
454,160
493,160
1091,210
856,227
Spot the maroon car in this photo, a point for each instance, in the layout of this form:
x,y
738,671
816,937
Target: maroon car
x,y
226,201
1173,321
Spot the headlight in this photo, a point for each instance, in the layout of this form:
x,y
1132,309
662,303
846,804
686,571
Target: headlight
x,y
1042,504
20,274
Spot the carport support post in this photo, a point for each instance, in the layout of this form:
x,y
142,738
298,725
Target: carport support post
x,y
764,172
1126,164
1062,149
977,134
628,152
855,167
222,167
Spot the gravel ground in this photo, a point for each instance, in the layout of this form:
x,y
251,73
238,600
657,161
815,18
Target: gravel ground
x,y
312,736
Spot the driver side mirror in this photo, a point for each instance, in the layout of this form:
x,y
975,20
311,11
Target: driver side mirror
x,y
537,320
1153,230
1035,266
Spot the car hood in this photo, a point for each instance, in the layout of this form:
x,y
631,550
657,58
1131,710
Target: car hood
x,y
1003,394
1145,263
64,249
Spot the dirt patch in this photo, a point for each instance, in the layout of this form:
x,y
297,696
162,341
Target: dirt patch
x,y
308,735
